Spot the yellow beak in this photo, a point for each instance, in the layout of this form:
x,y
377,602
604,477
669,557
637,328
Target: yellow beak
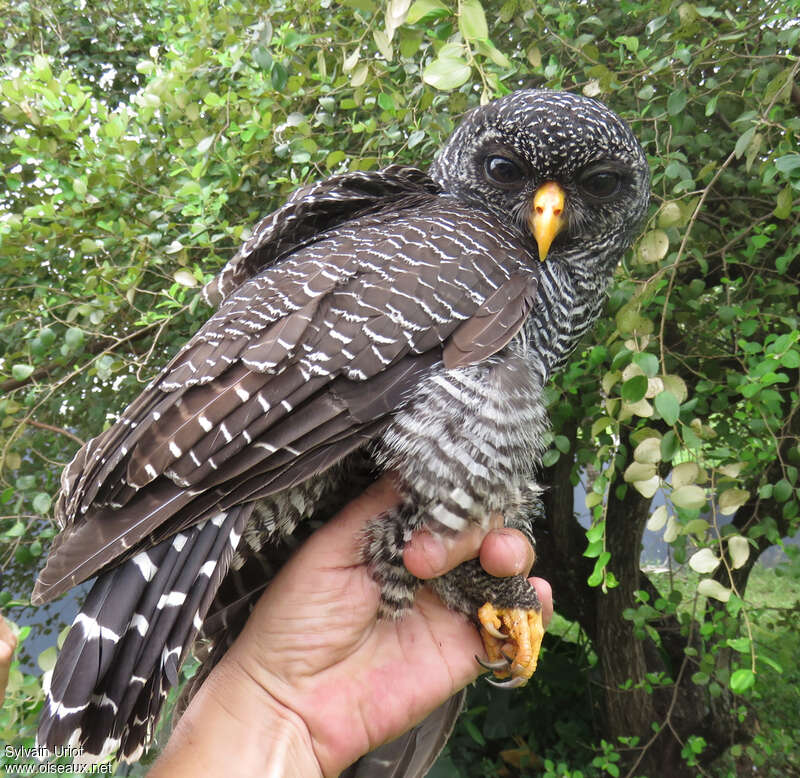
x,y
546,219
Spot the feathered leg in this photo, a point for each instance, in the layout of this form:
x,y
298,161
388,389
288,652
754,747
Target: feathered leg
x,y
464,449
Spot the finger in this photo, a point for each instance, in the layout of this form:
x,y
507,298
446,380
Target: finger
x,y
6,633
506,552
8,642
428,555
545,594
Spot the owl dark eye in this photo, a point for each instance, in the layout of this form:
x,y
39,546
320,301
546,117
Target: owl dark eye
x,y
503,171
600,183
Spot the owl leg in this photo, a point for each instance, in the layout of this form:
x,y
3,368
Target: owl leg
x,y
384,541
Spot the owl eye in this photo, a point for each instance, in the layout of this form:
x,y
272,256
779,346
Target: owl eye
x,y
601,183
503,171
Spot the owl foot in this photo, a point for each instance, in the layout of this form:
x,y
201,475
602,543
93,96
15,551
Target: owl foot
x,y
513,654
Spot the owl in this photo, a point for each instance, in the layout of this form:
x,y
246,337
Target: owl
x,y
392,320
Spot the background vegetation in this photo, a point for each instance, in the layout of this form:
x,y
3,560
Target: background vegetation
x,y
139,141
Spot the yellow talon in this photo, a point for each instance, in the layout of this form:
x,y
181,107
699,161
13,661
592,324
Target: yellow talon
x,y
519,645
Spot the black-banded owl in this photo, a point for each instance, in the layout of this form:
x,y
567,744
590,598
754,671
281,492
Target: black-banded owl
x,y
390,320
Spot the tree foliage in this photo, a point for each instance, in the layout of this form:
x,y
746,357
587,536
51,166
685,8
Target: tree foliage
x,y
141,139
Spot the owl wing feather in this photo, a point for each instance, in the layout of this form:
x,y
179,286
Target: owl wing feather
x,y
300,365
311,211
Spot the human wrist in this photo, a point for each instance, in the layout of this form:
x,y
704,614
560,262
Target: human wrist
x,y
233,726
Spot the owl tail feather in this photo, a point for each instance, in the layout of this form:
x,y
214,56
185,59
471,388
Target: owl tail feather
x,y
124,650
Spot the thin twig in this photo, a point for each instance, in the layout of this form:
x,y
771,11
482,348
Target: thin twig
x,y
53,428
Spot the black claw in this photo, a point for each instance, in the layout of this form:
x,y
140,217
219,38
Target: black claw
x,y
511,683
500,664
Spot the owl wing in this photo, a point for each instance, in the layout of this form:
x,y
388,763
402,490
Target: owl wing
x,y
300,365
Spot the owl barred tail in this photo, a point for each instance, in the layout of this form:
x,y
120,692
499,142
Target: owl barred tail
x,y
124,649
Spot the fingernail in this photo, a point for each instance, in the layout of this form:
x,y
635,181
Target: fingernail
x,y
519,551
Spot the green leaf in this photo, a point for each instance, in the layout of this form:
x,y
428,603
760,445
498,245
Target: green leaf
x,y
668,407
550,457
782,490
488,49
790,359
21,372
596,578
648,451
17,530
743,142
670,215
788,163
415,138
279,76
47,659
639,471
447,74
73,337
731,500
685,473
205,144
783,203
708,587
648,362
425,8
658,519
752,150
213,100
596,532
410,41
669,446
742,680
368,6
383,43
653,246
648,487
185,278
771,662
704,561
334,158
562,443
691,497
472,20
41,503
634,389
359,76
262,57
474,732
676,102
742,645
594,549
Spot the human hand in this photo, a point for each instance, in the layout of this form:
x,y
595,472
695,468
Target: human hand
x,y
321,665
8,644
